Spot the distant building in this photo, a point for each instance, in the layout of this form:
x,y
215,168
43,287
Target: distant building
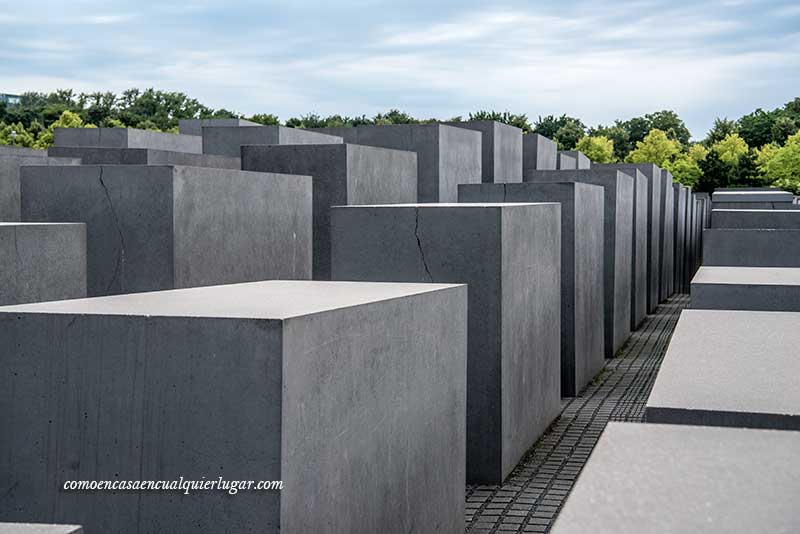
x,y
10,100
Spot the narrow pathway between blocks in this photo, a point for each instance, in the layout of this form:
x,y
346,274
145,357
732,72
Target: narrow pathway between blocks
x,y
535,491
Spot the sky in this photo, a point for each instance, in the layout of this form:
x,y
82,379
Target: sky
x,y
598,61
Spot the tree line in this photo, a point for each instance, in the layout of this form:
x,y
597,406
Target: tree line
x,y
758,149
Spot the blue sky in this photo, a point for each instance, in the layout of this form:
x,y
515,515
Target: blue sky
x,y
596,60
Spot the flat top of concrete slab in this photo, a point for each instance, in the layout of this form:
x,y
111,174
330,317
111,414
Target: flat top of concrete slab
x,y
469,205
37,528
673,478
748,275
39,224
754,211
731,361
273,299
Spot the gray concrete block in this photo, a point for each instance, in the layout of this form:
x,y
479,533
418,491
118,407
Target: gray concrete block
x,y
351,394
706,198
730,368
618,231
697,221
751,195
195,126
446,155
144,156
688,256
734,247
754,205
679,192
40,262
10,150
165,227
582,161
39,528
343,174
746,288
229,140
745,219
582,216
501,152
127,138
509,254
9,180
672,478
538,153
565,162
667,237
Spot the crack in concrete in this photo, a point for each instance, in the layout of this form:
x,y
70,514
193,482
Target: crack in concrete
x,y
505,192
120,266
419,244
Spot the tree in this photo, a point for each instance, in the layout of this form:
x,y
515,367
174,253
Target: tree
x,y
68,119
721,129
781,167
267,119
520,121
756,127
698,152
597,148
685,169
731,149
15,134
669,122
782,128
655,148
716,173
550,125
568,135
618,136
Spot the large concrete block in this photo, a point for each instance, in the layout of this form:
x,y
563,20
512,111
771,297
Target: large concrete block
x,y
40,262
679,192
747,288
229,140
667,236
38,528
144,156
618,208
165,227
734,247
11,150
751,195
565,162
688,256
195,126
730,368
501,152
127,138
582,161
350,394
748,219
343,174
9,179
446,155
706,198
582,216
509,254
538,154
664,479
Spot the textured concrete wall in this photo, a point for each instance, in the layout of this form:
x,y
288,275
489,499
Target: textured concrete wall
x,y
510,257
144,156
778,219
667,236
618,231
323,382
538,154
342,174
162,227
40,262
720,364
582,351
582,161
228,140
565,162
127,138
735,247
9,180
501,151
195,126
746,288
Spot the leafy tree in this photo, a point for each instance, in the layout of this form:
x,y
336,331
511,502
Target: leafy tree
x,y
15,134
618,135
782,128
669,122
568,135
520,121
68,119
550,126
721,129
394,116
698,152
267,119
716,173
656,148
756,127
781,167
731,149
685,169
598,148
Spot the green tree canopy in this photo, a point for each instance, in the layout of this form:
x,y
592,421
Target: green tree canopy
x,y
598,148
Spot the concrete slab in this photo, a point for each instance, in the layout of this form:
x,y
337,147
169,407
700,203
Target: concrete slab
x,y
9,180
667,237
730,368
747,219
10,150
446,155
581,159
751,195
679,193
754,205
162,227
127,138
40,262
735,247
746,288
509,254
343,174
688,256
501,152
322,383
706,198
195,126
618,253
664,479
229,140
144,156
566,162
582,282
538,153
38,528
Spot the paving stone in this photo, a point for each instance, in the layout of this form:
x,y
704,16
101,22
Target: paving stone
x,y
127,138
501,151
509,254
749,219
143,156
342,174
195,126
10,164
338,358
582,350
538,154
734,247
686,479
34,528
746,288
162,227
